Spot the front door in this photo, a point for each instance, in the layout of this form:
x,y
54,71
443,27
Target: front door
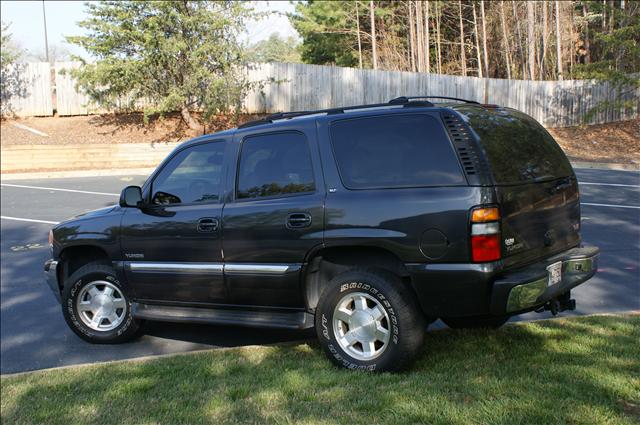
x,y
172,245
274,218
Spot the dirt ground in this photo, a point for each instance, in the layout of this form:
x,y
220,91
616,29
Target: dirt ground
x,y
615,142
108,128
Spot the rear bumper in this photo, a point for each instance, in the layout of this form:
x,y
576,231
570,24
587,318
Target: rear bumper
x,y
51,277
457,290
528,288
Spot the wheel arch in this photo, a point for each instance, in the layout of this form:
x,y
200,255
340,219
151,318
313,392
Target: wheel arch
x,y
76,256
326,263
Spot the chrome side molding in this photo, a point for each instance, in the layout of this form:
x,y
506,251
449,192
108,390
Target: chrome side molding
x,y
213,268
188,268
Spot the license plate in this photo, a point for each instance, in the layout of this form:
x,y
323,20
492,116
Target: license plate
x,y
555,273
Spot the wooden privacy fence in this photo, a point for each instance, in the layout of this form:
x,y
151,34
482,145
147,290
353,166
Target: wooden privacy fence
x,y
287,87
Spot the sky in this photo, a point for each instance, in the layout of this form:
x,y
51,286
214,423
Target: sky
x,y
27,24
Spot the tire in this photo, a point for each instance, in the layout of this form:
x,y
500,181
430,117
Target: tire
x,y
94,292
359,305
475,322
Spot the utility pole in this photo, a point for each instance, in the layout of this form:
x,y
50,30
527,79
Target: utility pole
x,y
46,41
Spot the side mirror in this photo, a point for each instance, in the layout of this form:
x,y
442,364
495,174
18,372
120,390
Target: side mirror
x,y
131,197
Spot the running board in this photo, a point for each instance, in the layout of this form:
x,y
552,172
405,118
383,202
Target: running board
x,y
250,318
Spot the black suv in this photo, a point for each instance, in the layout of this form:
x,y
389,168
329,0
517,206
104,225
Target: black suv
x,y
367,222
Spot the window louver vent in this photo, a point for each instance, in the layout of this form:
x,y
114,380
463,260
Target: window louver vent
x,y
463,144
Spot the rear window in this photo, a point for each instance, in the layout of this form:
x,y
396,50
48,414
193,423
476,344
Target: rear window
x,y
394,151
518,148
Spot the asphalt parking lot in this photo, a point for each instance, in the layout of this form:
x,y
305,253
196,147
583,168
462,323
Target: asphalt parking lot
x,y
33,333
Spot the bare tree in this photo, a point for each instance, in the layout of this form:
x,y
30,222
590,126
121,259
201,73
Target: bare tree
x,y
419,30
358,32
475,33
558,42
374,52
439,44
484,40
519,38
426,42
463,58
505,40
531,42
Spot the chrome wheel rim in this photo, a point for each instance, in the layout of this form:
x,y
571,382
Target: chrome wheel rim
x,y
101,306
361,326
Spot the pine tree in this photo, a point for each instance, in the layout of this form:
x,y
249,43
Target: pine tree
x,y
173,55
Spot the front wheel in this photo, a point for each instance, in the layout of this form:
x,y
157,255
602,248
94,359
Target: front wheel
x,y
97,307
368,320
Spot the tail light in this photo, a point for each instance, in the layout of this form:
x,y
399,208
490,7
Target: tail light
x,y
50,237
485,234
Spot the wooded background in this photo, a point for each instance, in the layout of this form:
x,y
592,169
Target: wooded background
x,y
287,87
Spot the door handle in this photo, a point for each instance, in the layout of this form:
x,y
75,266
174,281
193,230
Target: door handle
x,y
298,220
207,225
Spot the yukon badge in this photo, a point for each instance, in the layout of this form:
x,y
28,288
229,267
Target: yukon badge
x,y
134,256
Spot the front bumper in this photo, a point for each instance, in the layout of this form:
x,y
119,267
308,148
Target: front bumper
x,y
51,276
528,288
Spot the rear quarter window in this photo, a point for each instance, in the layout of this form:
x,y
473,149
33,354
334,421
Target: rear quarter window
x,y
519,149
394,151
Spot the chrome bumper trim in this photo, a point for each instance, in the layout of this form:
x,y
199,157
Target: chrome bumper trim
x,y
51,276
530,294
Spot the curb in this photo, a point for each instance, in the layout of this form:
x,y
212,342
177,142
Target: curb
x,y
604,166
77,173
151,357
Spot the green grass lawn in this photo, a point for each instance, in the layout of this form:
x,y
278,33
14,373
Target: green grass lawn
x,y
570,371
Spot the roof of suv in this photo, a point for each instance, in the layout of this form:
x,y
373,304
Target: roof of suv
x,y
271,121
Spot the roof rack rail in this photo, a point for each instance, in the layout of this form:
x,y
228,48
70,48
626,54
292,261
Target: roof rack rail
x,y
405,99
330,111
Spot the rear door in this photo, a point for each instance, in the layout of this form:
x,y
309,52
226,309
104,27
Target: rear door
x,y
274,215
536,187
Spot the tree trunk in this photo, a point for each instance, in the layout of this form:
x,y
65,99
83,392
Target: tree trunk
x,y
545,36
476,36
426,43
359,40
438,11
419,29
505,39
522,59
374,48
484,40
412,38
463,57
558,42
189,120
587,43
531,42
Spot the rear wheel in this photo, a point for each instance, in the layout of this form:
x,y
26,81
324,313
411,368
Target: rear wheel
x,y
475,322
368,320
97,307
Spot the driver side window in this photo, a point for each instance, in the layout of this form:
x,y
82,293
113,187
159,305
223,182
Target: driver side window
x,y
193,175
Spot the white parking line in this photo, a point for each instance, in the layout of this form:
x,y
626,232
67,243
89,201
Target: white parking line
x,y
29,220
609,205
59,189
611,184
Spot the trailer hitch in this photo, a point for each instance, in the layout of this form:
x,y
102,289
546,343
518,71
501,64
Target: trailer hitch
x,y
557,305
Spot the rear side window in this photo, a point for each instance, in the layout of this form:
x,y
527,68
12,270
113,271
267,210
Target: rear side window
x,y
275,165
394,151
518,148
